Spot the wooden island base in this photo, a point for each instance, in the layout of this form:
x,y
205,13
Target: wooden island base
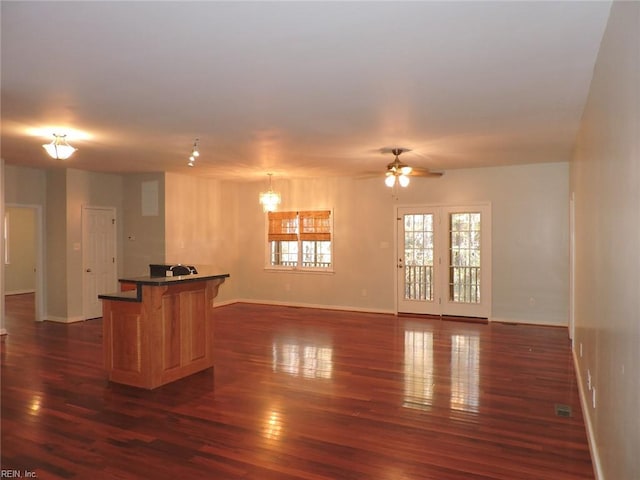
x,y
160,332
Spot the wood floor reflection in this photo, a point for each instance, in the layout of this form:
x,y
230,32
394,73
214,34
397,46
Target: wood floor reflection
x,y
299,394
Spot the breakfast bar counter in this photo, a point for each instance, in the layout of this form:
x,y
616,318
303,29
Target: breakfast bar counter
x,y
159,329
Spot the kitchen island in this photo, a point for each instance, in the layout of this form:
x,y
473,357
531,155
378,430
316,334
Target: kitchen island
x,y
159,329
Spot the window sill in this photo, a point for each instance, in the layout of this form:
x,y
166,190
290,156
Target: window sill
x,y
299,270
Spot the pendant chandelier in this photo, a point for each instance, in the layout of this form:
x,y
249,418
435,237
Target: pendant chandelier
x,y
270,199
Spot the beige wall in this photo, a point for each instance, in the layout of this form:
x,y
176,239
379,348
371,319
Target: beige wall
x,y
200,227
143,235
86,189
361,211
68,190
25,186
20,271
605,179
530,239
55,244
192,212
220,223
3,330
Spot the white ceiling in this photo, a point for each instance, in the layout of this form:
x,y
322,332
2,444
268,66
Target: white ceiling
x,y
296,88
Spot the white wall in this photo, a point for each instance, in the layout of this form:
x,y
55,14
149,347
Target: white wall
x,y
605,177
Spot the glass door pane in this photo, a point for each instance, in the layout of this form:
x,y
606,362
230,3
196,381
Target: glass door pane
x,y
464,257
418,257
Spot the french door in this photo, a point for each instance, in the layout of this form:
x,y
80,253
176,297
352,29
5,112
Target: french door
x,y
444,260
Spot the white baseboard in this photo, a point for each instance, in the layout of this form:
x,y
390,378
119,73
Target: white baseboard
x,y
529,322
19,292
584,403
306,305
217,304
51,318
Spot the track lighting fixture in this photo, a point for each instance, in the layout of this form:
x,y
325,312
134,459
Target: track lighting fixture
x,y
195,153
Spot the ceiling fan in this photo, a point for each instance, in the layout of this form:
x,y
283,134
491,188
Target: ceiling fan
x,y
398,172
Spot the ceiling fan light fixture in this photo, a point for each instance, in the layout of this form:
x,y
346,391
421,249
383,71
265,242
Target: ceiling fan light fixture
x,y
397,173
270,199
390,180
59,148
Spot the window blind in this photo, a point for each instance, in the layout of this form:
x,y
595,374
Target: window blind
x,y
283,226
309,225
315,225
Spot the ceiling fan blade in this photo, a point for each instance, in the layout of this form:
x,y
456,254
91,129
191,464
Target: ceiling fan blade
x,y
367,175
425,172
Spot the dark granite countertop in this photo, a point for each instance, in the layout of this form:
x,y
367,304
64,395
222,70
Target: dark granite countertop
x,y
159,281
136,295
126,296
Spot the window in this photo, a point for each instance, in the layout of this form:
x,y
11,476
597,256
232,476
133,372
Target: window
x,y
300,240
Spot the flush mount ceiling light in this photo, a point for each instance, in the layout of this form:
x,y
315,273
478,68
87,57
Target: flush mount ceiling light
x,y
195,153
59,148
270,199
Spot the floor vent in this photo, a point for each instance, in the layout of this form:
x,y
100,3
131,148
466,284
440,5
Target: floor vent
x,y
563,410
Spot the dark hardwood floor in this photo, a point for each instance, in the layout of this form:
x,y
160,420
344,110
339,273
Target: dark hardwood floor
x,y
299,394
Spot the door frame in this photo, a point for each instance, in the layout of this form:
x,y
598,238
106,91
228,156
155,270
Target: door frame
x,y
441,237
40,257
572,267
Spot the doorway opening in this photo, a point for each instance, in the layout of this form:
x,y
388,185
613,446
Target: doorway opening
x,y
24,254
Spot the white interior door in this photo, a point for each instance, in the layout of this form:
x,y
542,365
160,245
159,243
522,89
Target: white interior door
x,y
98,258
444,260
